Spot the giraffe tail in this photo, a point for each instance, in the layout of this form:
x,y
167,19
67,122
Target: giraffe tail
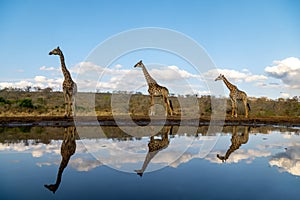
x,y
248,105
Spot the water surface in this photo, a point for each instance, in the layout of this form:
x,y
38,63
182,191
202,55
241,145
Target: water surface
x,y
243,163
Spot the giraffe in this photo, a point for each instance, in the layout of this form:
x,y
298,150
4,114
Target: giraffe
x,y
68,148
155,89
69,86
236,141
235,94
155,146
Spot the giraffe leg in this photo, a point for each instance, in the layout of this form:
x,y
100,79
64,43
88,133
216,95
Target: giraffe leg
x,y
166,105
246,108
69,105
73,105
170,107
235,109
66,102
232,108
74,92
152,112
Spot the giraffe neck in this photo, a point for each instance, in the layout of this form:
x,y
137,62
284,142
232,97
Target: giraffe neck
x,y
148,78
231,149
149,157
64,69
228,84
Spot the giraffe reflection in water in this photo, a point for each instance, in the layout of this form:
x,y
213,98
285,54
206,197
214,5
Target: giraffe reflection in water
x,y
68,148
155,146
237,139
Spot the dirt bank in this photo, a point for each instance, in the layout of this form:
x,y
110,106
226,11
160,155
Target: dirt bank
x,y
143,120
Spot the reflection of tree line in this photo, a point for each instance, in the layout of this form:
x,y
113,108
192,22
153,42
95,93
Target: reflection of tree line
x,y
46,134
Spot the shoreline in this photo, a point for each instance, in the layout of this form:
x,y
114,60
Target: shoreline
x,y
145,120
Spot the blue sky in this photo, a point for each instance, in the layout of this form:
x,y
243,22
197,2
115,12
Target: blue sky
x,y
256,44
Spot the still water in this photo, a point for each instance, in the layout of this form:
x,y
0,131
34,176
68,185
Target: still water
x,y
238,163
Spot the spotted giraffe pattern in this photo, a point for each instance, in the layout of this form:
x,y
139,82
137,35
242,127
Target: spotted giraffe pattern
x,y
155,89
155,146
68,148
158,144
235,94
69,86
236,141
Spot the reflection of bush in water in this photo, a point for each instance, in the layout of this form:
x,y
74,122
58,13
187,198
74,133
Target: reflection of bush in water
x,y
25,129
39,130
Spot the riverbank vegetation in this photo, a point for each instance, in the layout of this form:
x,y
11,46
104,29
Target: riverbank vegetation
x,y
45,102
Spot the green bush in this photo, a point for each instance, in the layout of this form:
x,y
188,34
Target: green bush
x,y
4,101
26,103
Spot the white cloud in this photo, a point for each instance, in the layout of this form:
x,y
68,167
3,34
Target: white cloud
x,y
236,76
172,73
36,150
84,165
270,85
288,161
18,84
284,94
94,77
287,70
37,81
121,153
254,78
85,67
118,66
40,78
37,154
44,68
168,73
91,69
241,154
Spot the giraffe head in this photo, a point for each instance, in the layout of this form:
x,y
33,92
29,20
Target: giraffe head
x,y
220,77
55,51
139,64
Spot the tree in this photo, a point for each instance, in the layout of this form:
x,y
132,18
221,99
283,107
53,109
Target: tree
x,y
37,88
27,88
47,90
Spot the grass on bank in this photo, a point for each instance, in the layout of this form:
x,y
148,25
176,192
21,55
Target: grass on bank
x,y
40,103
